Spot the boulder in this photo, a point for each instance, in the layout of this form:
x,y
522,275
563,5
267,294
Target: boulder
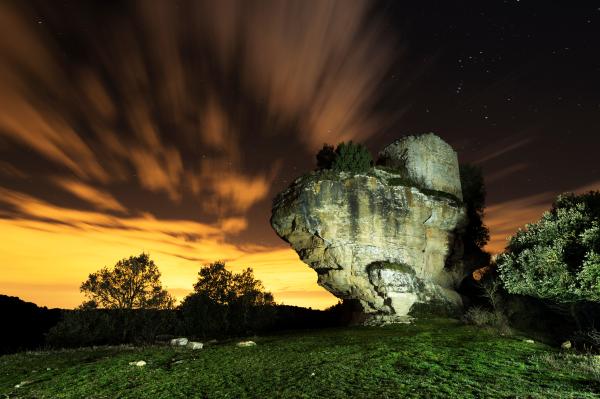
x,y
195,345
245,344
426,160
381,238
139,363
179,341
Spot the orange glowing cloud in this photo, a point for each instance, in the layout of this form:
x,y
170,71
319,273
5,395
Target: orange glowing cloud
x,y
100,199
53,249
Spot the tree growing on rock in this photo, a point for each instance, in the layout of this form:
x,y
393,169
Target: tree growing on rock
x,y
347,157
325,157
557,258
352,157
476,234
133,283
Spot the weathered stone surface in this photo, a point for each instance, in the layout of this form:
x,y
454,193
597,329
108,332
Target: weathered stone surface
x,y
179,341
391,247
195,345
425,159
245,344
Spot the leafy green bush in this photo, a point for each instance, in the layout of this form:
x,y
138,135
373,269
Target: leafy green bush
x,y
557,258
352,157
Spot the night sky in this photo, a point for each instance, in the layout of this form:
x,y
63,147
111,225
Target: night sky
x,y
168,126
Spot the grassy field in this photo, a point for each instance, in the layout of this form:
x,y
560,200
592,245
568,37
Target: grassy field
x,y
429,359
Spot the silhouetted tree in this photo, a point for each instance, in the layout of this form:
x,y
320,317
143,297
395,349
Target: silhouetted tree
x,y
227,303
225,288
476,234
133,283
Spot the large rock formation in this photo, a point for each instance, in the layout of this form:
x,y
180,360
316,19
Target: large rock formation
x,y
388,238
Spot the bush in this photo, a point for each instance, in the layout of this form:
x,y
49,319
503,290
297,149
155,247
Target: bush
x,y
492,320
558,258
87,327
347,157
352,157
325,157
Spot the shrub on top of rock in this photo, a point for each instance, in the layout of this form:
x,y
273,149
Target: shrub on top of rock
x,y
325,157
347,157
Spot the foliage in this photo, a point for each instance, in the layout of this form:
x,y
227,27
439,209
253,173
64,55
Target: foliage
x,y
225,288
347,157
476,234
428,359
226,303
133,283
558,257
325,157
86,327
352,157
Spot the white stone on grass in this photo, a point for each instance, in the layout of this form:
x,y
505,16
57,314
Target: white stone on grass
x,y
244,344
195,345
179,341
139,363
22,383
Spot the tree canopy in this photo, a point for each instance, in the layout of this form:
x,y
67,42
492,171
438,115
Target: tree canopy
x,y
133,283
476,234
224,287
558,257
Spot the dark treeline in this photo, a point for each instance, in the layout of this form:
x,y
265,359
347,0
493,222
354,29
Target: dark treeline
x,y
24,324
31,327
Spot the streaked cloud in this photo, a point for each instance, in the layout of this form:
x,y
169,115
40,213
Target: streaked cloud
x,y
504,219
502,173
511,146
100,199
52,250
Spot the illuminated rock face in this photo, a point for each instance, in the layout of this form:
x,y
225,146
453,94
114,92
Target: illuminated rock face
x,y
377,239
427,160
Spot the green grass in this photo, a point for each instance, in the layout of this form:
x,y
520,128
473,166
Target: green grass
x,y
429,359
